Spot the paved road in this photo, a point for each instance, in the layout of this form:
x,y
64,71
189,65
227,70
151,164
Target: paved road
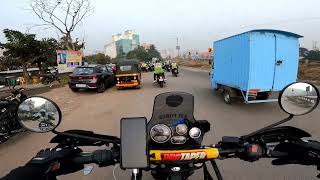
x,y
102,113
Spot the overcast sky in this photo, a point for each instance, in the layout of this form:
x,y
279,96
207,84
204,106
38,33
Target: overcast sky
x,y
197,23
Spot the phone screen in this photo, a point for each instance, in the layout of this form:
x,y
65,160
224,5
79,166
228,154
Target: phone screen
x,y
134,149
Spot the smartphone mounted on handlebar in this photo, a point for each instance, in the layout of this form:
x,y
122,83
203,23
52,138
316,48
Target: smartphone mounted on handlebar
x,y
134,148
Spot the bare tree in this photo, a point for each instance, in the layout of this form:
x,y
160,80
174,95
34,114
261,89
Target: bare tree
x,y
63,15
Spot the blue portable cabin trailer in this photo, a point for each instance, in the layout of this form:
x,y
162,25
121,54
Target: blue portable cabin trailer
x,y
254,64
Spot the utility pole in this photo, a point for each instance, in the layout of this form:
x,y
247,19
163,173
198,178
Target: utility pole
x,y
314,45
178,47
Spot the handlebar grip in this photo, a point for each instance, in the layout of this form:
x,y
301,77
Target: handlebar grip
x,y
98,157
277,154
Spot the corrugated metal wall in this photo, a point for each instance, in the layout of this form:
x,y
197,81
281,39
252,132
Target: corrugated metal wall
x,y
231,61
249,60
266,48
288,52
262,55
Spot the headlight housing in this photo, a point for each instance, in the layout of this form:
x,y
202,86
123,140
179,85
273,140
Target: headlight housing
x,y
160,133
195,133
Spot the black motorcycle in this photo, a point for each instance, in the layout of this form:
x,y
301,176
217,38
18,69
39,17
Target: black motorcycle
x,y
169,145
49,77
160,80
151,67
175,72
167,67
9,125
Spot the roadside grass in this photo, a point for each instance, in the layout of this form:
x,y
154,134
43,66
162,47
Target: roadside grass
x,y
195,64
64,78
309,72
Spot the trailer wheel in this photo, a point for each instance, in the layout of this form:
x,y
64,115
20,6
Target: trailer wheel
x,y
227,97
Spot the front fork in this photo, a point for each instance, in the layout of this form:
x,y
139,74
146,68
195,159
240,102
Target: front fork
x,y
181,176
216,169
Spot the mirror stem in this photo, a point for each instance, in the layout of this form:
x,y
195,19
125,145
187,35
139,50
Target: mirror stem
x,y
55,132
268,127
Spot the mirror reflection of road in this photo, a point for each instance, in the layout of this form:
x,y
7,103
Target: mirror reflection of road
x,y
299,103
102,113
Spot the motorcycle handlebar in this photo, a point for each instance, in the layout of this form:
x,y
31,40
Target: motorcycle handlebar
x,y
98,157
106,157
251,152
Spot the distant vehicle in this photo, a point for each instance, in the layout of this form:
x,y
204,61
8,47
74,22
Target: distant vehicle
x,y
128,74
9,125
97,77
113,68
255,64
174,69
50,76
160,80
144,67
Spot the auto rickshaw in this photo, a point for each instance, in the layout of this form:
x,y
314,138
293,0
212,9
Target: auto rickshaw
x,y
128,74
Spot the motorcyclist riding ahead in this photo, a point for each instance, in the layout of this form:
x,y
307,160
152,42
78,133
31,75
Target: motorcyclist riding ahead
x,y
158,70
174,66
45,118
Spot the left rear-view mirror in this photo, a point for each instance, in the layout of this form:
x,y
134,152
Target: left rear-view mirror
x,y
39,114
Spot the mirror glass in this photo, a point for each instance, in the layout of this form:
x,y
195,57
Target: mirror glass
x,y
38,114
299,98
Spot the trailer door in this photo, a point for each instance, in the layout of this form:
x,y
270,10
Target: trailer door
x,y
285,64
262,54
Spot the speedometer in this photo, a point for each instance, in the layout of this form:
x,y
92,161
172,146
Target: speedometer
x,y
160,133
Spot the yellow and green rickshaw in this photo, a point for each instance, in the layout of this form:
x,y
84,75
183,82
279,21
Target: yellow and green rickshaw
x,y
128,74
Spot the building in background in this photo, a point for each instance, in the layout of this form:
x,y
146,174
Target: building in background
x,y
134,37
167,53
122,44
191,54
111,50
146,46
197,55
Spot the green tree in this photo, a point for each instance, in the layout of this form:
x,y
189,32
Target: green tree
x,y
132,55
46,53
141,54
303,52
313,55
144,55
98,59
153,52
20,49
66,44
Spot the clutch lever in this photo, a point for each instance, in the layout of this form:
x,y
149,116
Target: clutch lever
x,y
83,138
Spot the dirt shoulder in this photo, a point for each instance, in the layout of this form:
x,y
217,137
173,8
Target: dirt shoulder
x,y
307,72
195,64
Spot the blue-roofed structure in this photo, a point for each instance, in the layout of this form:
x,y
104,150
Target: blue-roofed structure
x,y
256,62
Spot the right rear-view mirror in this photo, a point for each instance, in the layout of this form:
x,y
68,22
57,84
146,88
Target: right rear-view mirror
x,y
299,98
